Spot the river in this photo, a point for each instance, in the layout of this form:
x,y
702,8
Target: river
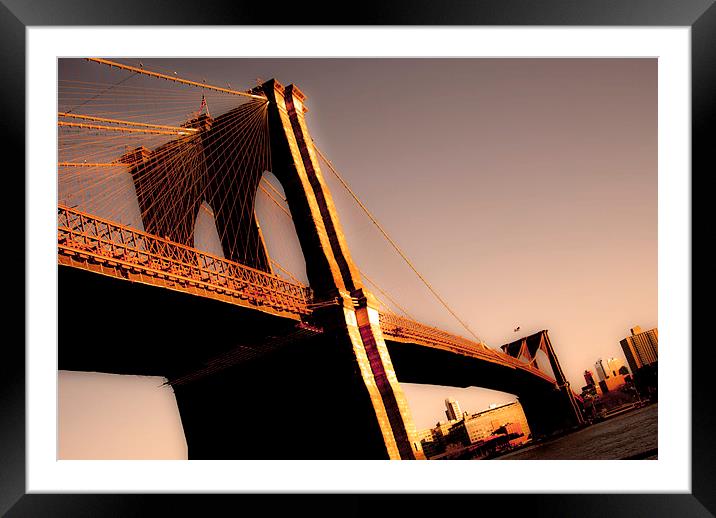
x,y
630,435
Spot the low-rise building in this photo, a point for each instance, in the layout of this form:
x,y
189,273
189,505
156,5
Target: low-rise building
x,y
482,425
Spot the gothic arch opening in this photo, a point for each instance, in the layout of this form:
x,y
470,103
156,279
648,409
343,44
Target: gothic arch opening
x,y
278,231
206,235
542,363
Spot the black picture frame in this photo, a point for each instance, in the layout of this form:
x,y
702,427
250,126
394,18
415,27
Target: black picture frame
x,y
699,15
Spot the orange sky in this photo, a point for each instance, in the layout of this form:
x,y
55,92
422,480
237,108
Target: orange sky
x,y
525,190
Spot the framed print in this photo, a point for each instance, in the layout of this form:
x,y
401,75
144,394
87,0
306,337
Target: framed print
x,y
529,166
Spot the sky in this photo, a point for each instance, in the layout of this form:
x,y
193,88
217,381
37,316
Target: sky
x,y
524,190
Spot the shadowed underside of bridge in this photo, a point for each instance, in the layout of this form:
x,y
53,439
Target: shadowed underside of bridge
x,y
546,407
262,368
236,370
269,365
248,384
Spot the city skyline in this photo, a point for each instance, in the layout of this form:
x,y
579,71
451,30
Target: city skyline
x,y
549,172
498,398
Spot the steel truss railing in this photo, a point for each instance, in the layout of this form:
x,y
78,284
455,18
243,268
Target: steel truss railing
x,y
107,241
402,328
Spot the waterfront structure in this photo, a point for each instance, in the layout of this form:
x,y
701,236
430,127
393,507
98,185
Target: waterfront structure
x,y
641,348
425,435
612,375
442,428
614,382
482,425
589,377
591,391
434,440
614,365
602,370
503,420
453,411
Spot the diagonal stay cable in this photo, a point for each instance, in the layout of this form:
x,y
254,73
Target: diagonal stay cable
x,y
102,92
394,244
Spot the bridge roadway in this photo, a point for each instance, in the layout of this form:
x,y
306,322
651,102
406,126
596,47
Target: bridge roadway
x,y
133,303
102,246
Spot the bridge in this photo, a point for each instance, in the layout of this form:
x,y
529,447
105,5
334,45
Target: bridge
x,y
232,329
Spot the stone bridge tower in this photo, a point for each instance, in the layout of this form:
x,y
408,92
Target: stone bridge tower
x,y
352,321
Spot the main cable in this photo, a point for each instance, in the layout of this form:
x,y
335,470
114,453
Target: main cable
x,y
395,245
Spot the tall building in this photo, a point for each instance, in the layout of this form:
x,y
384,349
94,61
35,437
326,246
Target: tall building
x,y
453,411
641,348
602,370
614,364
589,378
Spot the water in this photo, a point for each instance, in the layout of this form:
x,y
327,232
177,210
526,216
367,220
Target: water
x,y
620,437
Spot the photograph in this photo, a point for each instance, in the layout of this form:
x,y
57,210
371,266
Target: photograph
x,y
357,258
271,254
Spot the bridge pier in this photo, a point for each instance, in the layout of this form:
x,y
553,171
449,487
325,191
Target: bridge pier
x,y
562,411
306,400
346,310
549,412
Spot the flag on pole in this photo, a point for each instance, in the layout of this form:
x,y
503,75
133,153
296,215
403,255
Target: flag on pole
x,y
204,105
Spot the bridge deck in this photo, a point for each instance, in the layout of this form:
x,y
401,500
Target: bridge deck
x,y
102,246
92,243
401,329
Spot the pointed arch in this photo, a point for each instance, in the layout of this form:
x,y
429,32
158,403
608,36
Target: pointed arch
x,y
221,166
206,235
277,230
542,362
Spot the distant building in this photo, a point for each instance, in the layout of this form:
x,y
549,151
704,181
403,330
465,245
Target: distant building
x,y
589,378
430,443
451,436
613,383
602,370
425,435
483,425
441,430
612,375
641,348
453,411
589,393
434,440
614,365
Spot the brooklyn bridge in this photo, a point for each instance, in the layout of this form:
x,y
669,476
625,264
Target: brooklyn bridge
x,y
232,329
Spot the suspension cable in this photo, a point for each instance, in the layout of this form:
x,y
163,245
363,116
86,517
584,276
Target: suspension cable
x,y
394,244
145,72
387,295
288,214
